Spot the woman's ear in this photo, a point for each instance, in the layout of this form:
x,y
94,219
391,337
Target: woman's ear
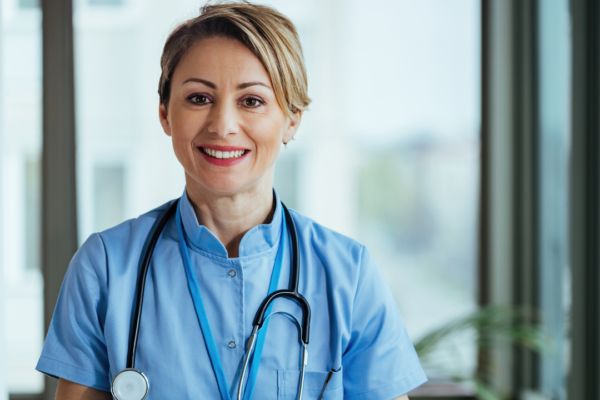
x,y
164,119
292,127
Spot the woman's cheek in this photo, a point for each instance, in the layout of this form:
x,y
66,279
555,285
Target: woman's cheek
x,y
267,157
182,151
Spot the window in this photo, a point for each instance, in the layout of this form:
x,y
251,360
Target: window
x,y
409,97
33,208
105,2
126,164
554,147
29,3
109,196
21,286
286,177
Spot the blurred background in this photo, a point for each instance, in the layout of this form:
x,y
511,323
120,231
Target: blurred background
x,y
439,135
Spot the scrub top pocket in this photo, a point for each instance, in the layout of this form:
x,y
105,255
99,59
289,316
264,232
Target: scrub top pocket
x,y
287,385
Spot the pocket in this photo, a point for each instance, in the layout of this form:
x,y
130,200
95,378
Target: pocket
x,y
287,385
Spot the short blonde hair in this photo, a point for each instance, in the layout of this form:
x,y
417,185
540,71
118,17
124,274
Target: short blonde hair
x,y
270,35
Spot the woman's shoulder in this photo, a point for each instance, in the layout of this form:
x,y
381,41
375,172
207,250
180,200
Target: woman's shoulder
x,y
130,234
332,244
342,259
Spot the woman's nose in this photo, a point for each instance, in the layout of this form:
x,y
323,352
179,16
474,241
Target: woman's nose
x,y
223,120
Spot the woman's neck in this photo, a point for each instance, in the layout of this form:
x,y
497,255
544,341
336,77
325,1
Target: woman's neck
x,y
230,217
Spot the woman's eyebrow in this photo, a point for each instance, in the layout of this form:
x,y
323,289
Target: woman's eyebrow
x,y
240,86
204,81
248,84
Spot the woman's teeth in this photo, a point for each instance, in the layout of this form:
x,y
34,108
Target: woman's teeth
x,y
223,154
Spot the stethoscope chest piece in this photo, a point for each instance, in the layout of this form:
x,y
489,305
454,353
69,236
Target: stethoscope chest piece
x,y
130,384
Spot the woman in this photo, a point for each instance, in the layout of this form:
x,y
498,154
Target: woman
x,y
233,88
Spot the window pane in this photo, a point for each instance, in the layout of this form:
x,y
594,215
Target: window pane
x,y
106,2
33,207
126,164
108,197
555,121
29,3
389,150
21,300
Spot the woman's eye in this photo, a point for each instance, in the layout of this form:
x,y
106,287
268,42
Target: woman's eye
x,y
252,102
199,99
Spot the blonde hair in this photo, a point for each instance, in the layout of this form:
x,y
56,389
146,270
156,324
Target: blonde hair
x,y
270,35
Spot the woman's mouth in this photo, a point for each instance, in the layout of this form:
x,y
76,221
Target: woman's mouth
x,y
223,154
224,157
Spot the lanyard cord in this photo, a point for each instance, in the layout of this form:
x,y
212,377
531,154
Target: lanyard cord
x,y
262,334
203,319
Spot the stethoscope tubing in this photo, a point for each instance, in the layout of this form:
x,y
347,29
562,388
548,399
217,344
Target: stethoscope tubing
x,y
250,348
135,329
295,276
291,293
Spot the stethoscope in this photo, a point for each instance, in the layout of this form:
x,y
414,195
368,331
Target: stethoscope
x,y
132,384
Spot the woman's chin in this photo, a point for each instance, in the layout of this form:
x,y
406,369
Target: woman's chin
x,y
223,186
228,183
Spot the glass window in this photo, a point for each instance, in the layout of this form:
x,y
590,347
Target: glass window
x,y
126,164
21,286
106,2
108,197
554,147
286,178
33,207
29,3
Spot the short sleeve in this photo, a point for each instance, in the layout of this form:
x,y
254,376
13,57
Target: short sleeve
x,y
380,361
75,348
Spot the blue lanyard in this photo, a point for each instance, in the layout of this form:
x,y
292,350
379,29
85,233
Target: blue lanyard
x,y
203,319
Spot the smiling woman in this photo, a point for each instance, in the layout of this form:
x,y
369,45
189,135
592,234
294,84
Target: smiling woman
x,y
233,89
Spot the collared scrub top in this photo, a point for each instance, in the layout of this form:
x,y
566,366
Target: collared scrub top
x,y
356,328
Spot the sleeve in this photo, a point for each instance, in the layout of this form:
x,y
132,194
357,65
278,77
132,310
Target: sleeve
x,y
75,348
380,361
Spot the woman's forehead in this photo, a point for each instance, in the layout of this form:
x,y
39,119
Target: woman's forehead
x,y
221,61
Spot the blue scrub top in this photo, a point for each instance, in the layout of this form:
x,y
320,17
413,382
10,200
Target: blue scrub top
x,y
356,327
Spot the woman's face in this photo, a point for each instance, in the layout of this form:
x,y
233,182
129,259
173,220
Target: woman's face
x,y
225,122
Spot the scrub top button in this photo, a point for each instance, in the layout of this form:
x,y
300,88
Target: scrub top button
x,y
232,345
232,273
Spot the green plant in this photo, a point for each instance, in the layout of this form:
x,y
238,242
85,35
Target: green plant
x,y
491,325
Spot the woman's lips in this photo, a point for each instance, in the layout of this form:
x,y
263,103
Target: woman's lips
x,y
221,148
223,156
